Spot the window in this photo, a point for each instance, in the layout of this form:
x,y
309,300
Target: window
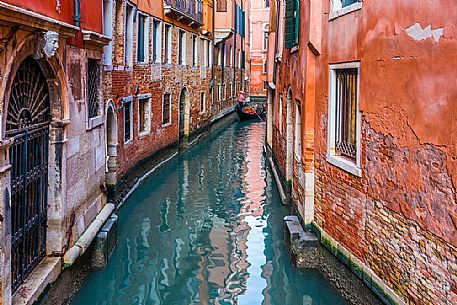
x,y
267,3
344,118
194,51
144,114
166,109
143,39
157,41
231,57
182,48
292,23
343,7
202,102
280,114
265,66
128,43
298,141
220,54
221,5
108,31
128,120
167,33
210,54
339,4
265,39
93,87
239,58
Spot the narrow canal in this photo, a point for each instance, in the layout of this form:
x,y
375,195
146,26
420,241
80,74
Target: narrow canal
x,y
206,229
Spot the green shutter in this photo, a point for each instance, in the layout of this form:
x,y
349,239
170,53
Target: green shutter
x,y
290,24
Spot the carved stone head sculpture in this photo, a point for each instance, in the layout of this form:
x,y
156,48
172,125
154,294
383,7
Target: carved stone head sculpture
x,y
51,43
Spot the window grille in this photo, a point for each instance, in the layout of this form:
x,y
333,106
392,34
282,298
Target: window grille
x,y
346,113
221,5
93,87
166,108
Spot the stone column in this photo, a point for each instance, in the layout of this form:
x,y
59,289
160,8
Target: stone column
x,y
5,223
56,232
111,175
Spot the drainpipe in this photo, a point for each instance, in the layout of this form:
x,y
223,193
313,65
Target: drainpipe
x,y
86,238
77,18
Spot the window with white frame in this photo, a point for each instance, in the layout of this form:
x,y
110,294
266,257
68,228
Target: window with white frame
x,y
142,38
298,139
210,53
265,38
182,48
220,53
166,109
202,102
339,4
204,52
156,41
128,120
144,114
194,51
344,131
108,31
128,40
167,44
239,58
231,57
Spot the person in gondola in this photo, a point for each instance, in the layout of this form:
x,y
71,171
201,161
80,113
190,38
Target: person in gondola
x,y
241,98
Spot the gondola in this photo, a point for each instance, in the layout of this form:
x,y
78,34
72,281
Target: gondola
x,y
246,111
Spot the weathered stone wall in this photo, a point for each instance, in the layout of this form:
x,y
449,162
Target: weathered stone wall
x,y
76,152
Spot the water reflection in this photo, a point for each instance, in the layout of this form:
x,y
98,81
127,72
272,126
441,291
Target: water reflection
x,y
206,229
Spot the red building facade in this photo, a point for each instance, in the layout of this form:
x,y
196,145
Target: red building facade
x,y
358,116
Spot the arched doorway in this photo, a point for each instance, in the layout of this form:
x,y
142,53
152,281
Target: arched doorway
x,y
184,113
289,136
27,124
111,149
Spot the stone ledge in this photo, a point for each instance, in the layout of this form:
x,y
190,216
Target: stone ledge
x,y
44,274
303,245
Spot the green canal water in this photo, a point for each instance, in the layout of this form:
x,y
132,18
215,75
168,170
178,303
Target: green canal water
x,y
206,229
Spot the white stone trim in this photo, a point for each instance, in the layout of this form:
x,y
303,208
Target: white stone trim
x,y
341,162
345,10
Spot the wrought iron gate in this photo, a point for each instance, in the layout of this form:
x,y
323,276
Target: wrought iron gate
x,y
28,125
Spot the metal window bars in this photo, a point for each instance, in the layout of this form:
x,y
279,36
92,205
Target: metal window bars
x,y
93,87
346,113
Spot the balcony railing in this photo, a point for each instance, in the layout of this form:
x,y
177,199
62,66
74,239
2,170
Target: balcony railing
x,y
191,9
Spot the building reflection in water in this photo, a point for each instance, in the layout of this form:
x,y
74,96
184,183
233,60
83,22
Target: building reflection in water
x,y
205,229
